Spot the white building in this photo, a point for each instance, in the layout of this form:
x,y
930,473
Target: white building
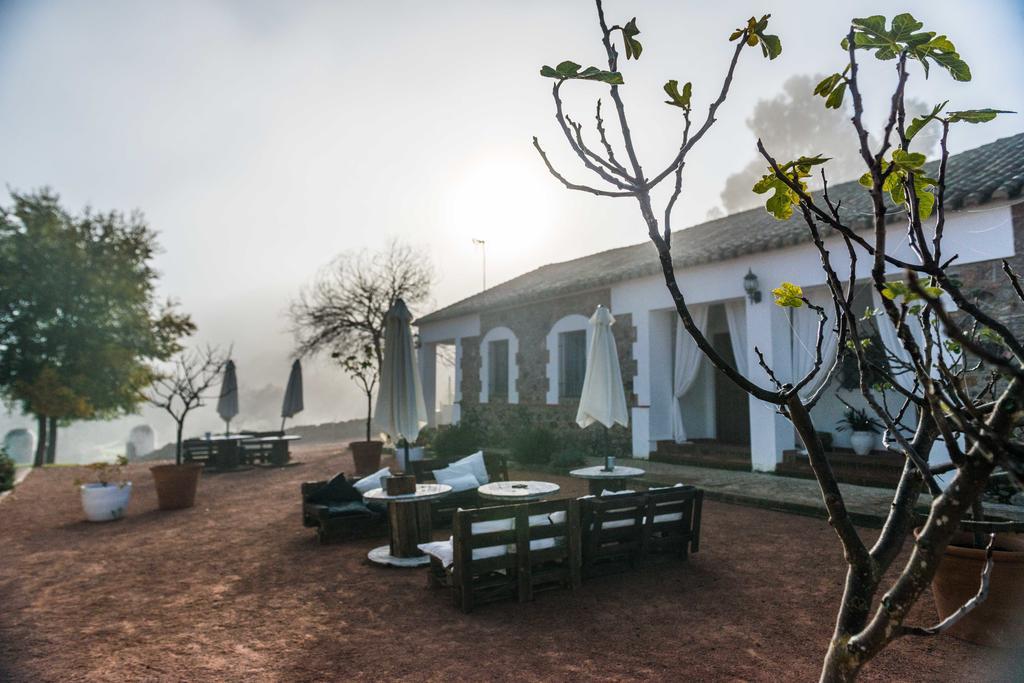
x,y
518,344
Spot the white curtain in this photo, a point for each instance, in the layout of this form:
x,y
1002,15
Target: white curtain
x,y
804,322
904,373
687,363
736,317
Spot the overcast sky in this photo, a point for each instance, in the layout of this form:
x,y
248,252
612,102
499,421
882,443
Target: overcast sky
x,y
261,138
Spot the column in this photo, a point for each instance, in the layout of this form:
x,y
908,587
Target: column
x,y
428,380
457,401
770,433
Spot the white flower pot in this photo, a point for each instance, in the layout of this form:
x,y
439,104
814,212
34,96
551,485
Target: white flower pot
x,y
105,503
862,442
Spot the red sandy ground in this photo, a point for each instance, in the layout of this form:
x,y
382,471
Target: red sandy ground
x,y
236,589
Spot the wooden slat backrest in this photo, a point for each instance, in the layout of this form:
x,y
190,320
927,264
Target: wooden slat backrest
x,y
518,565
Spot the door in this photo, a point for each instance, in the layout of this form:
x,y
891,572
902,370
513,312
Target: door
x,y
732,408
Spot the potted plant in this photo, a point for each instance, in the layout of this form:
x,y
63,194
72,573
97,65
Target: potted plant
x,y
986,554
179,391
362,367
862,429
106,497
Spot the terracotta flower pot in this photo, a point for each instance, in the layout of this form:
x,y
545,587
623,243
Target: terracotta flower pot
x,y
176,485
366,455
999,620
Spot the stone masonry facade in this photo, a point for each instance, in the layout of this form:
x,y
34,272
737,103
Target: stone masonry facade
x,y
986,283
531,324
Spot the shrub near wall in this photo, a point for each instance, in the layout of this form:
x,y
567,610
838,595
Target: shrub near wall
x,y
6,471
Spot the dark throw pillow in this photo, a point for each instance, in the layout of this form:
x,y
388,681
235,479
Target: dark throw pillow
x,y
337,490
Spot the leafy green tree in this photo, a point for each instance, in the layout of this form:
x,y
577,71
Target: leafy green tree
x,y
968,366
80,325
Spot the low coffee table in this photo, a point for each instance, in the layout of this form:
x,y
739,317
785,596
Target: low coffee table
x,y
513,491
408,524
601,479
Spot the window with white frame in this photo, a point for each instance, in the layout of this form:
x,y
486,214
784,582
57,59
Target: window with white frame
x,y
567,344
498,371
572,363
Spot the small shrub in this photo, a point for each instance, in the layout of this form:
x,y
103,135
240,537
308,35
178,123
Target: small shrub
x,y
568,459
534,446
106,473
6,471
426,437
456,441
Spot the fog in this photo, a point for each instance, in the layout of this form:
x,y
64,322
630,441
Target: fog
x,y
262,138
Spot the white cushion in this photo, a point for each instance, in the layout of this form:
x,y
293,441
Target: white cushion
x,y
541,520
459,480
606,492
442,550
494,525
668,517
372,481
557,517
664,488
475,463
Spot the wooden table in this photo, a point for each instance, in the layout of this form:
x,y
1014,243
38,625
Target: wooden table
x,y
408,524
228,450
516,491
601,479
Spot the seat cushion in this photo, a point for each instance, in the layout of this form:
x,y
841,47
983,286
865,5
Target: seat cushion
x,y
337,490
349,509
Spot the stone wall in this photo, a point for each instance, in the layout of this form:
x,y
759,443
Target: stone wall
x,y
531,325
986,283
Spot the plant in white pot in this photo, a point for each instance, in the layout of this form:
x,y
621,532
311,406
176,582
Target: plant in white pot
x,y
105,498
862,427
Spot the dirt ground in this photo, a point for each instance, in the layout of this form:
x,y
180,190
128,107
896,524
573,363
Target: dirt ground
x,y
236,589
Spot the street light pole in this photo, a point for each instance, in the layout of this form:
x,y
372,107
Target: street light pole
x,y
483,252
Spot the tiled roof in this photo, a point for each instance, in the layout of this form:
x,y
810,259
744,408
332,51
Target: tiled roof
x,y
991,172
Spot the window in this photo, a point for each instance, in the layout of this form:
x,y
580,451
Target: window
x,y
497,371
572,363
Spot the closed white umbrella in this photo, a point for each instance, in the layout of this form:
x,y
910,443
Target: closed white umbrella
x,y
292,403
603,398
227,404
401,411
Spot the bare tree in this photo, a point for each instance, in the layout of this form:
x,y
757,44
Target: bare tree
x,y
344,307
185,386
362,367
944,350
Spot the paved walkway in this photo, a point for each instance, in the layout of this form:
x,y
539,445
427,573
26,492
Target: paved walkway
x,y
867,505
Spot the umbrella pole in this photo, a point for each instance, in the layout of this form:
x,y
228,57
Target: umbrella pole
x,y
282,424
405,466
609,459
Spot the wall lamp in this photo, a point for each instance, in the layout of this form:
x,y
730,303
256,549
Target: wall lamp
x,y
752,287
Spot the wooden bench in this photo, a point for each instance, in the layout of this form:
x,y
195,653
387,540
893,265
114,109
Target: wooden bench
x,y
332,527
443,509
511,552
625,530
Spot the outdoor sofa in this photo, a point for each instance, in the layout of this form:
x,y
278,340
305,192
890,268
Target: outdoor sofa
x,y
443,508
513,551
624,530
337,511
508,552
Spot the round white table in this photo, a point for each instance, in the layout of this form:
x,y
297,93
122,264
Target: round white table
x,y
601,479
408,524
517,490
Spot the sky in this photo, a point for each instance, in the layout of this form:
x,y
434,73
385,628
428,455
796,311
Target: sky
x,y
262,138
